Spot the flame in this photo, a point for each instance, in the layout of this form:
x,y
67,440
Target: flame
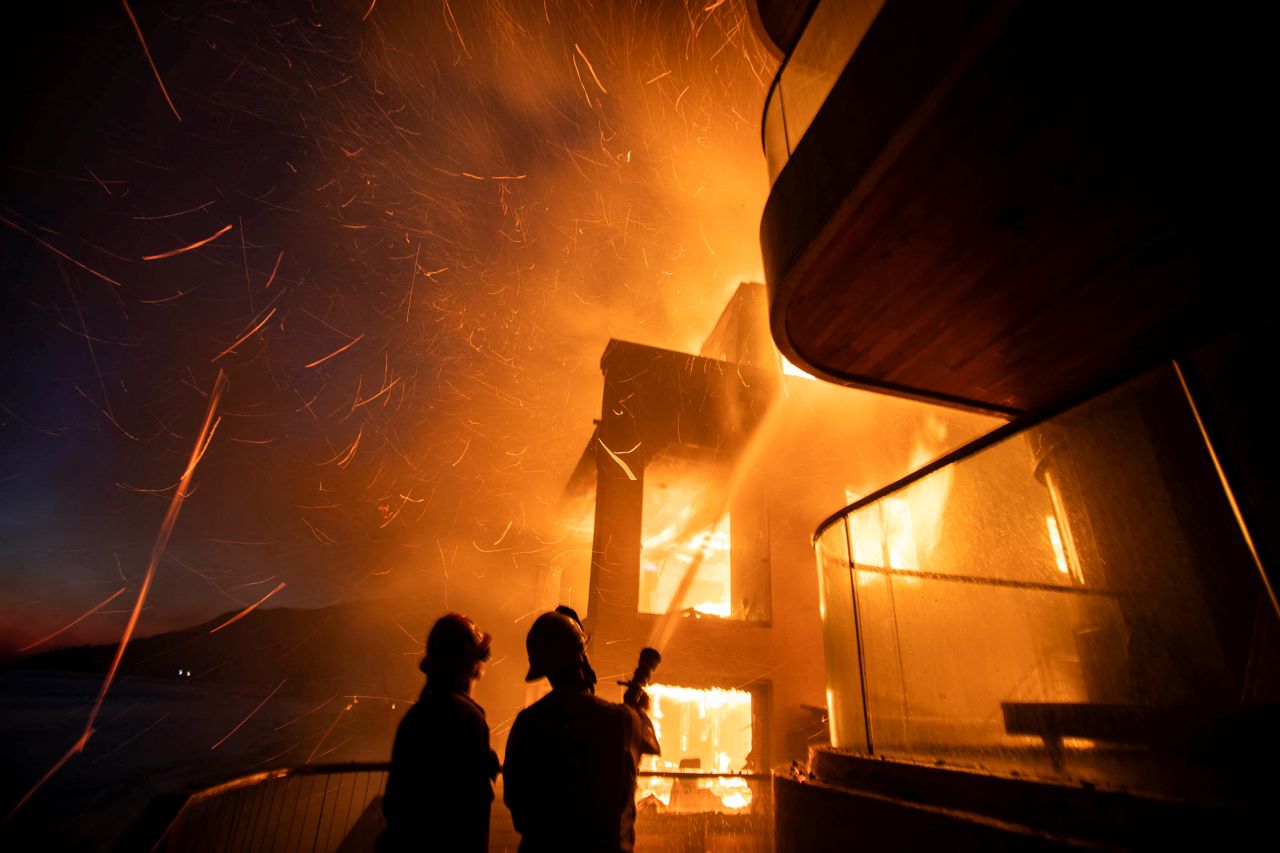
x,y
716,794
711,724
678,534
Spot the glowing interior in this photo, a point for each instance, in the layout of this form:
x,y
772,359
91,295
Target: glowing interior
x,y
705,730
684,531
711,727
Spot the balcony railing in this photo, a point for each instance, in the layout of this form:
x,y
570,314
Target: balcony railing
x,y
833,32
334,808
313,807
1074,600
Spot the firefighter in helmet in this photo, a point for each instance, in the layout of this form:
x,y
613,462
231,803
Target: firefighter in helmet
x,y
440,786
569,777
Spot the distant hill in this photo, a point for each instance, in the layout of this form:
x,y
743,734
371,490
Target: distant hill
x,y
357,647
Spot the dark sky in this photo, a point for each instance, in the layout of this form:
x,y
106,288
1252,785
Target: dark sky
x,y
471,198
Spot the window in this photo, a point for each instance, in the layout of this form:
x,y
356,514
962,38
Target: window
x,y
685,542
701,730
695,556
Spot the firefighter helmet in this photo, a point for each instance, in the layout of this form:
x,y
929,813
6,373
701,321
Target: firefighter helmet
x,y
555,642
455,643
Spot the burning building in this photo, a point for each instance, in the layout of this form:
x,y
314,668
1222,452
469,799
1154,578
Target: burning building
x,y
688,513
1065,633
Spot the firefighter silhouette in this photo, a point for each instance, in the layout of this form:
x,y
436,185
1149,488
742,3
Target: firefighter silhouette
x,y
440,786
570,773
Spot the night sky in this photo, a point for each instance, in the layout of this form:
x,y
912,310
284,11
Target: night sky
x,y
403,230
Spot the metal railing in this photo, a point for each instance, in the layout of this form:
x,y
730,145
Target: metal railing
x,y
313,808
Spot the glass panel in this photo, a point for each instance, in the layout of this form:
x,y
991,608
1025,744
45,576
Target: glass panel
x,y
1075,602
776,149
943,656
840,641
832,35
1230,380
1011,539
685,543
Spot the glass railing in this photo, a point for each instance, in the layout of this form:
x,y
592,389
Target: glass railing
x,y
1075,601
806,77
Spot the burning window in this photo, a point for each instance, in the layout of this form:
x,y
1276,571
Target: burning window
x,y
685,543
701,731
693,557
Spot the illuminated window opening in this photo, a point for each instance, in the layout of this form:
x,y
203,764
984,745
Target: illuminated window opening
x,y
685,543
701,730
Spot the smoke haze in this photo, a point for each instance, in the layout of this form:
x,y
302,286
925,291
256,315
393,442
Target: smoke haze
x,y
423,222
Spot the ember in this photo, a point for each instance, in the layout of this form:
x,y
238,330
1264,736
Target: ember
x,y
404,233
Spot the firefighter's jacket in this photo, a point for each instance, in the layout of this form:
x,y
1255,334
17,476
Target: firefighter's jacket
x,y
440,787
569,777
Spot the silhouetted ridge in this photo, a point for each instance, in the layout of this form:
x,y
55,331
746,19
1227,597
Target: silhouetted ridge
x,y
358,647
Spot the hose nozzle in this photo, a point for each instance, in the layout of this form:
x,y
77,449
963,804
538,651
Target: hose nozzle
x,y
635,695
